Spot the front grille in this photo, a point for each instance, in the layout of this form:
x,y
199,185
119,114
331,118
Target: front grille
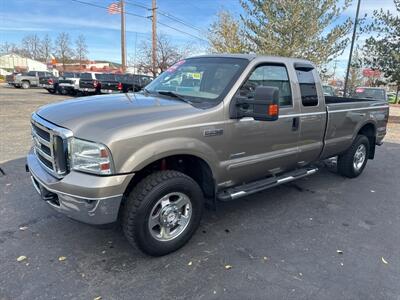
x,y
50,145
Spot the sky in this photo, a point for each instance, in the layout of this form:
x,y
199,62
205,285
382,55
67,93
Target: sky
x,y
102,31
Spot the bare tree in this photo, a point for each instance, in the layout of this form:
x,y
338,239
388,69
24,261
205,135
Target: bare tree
x,y
31,44
63,48
81,50
46,47
167,55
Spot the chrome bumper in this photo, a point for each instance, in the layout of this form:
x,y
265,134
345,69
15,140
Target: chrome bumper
x,y
83,197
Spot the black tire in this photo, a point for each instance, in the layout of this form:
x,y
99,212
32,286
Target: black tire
x,y
51,91
25,84
346,160
142,200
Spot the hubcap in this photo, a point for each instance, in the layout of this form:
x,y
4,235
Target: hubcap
x,y
359,157
170,216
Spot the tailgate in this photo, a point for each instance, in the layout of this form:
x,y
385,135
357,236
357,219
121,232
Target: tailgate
x,y
86,83
109,85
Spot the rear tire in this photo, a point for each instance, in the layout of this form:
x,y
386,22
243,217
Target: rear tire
x,y
352,163
162,212
25,84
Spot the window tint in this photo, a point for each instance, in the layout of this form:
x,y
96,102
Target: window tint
x,y
308,89
41,74
31,73
269,75
85,75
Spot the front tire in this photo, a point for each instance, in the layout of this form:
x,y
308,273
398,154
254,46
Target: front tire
x,y
162,212
352,163
25,84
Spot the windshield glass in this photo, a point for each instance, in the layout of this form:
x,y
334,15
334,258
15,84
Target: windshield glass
x,y
109,77
85,76
368,93
205,79
328,90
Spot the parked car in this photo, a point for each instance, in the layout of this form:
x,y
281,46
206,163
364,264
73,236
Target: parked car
x,y
392,97
68,83
49,83
210,128
134,82
30,79
328,90
370,93
10,79
110,83
89,84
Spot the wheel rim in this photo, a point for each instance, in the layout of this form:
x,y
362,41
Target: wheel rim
x,y
359,157
170,216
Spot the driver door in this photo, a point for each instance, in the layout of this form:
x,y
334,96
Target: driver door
x,y
262,148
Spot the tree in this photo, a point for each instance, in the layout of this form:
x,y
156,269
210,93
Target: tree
x,y
382,51
31,44
167,55
46,48
355,72
295,28
81,50
226,35
63,48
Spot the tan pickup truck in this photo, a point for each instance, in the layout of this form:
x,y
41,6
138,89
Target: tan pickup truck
x,y
210,128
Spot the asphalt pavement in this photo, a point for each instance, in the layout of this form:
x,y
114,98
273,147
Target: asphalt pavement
x,y
321,237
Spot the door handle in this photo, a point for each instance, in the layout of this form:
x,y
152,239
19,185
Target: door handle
x,y
295,123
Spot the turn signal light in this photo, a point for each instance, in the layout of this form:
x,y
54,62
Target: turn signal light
x,y
273,110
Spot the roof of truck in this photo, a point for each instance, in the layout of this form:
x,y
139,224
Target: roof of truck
x,y
253,56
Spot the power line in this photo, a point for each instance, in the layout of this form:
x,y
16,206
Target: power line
x,y
143,17
167,15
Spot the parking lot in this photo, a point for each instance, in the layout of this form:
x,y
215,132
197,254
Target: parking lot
x,y
322,237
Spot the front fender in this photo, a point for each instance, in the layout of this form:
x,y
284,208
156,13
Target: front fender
x,y
168,147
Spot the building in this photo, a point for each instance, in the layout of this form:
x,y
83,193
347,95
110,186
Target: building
x,y
11,62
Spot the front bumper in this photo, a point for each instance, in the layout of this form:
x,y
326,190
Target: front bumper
x,y
87,198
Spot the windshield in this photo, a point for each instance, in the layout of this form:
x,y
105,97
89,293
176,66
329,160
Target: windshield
x,y
85,76
328,90
368,93
108,77
199,79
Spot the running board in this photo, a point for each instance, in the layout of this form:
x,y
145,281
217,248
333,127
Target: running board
x,y
263,184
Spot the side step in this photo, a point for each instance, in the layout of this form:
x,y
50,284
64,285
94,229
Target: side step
x,y
263,184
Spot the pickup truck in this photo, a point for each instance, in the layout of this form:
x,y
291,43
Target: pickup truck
x,y
89,83
209,129
110,83
49,83
68,83
29,79
134,82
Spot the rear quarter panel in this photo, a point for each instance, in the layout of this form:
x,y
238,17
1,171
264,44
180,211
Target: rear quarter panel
x,y
346,119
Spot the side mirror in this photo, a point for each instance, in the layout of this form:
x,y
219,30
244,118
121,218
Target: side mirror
x,y
263,107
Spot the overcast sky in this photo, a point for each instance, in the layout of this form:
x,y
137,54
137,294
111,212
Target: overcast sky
x,y
102,31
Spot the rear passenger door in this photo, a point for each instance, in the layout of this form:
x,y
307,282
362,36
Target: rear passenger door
x,y
312,113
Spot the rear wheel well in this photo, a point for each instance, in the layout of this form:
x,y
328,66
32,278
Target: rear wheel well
x,y
369,131
191,165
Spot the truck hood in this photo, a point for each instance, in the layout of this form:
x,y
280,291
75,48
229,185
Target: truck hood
x,y
98,117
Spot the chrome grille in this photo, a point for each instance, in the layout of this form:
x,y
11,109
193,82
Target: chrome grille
x,y
50,144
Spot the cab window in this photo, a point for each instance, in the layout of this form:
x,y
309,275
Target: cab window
x,y
269,75
308,89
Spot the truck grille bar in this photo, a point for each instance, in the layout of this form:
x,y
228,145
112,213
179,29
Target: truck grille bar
x,y
50,145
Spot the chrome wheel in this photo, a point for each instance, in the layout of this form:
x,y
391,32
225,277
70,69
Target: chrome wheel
x,y
170,216
359,157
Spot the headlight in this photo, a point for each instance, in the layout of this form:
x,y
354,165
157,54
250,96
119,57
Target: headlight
x,y
90,157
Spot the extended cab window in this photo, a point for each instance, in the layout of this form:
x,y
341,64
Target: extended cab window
x,y
269,75
308,89
31,73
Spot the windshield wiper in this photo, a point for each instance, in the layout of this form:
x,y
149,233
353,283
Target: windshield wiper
x,y
174,95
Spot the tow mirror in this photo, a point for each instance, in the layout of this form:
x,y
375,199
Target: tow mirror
x,y
263,107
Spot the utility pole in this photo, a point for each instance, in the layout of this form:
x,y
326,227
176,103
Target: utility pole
x,y
351,49
154,37
123,36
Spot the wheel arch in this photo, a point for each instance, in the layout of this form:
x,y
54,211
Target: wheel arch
x,y
368,129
